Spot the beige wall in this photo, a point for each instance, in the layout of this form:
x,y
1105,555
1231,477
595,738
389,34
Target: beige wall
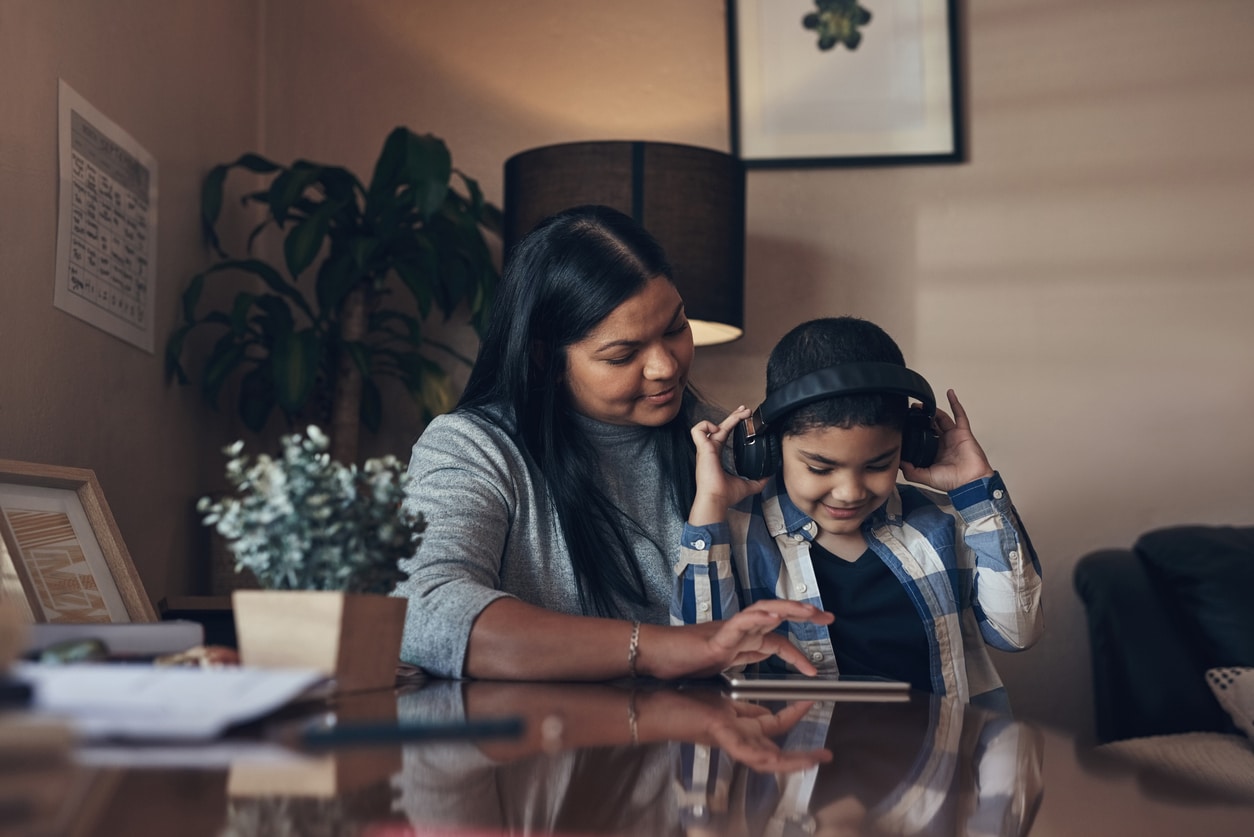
x,y
180,77
1083,282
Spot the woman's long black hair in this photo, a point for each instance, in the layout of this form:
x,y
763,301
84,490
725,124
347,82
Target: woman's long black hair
x,y
561,280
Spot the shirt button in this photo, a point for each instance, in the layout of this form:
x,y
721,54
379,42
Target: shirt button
x,y
1014,554
801,588
998,493
698,544
816,656
705,607
798,538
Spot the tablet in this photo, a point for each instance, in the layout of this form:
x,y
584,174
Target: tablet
x,y
792,686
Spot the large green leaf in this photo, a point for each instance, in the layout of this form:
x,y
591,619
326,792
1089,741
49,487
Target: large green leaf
x,y
428,167
436,390
191,297
227,354
410,331
306,238
273,279
276,321
294,362
173,351
239,311
289,187
387,171
337,275
341,185
211,205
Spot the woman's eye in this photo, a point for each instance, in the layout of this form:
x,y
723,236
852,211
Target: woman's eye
x,y
877,469
679,329
818,471
619,361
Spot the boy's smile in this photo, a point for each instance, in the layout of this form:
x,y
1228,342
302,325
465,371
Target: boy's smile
x,y
838,476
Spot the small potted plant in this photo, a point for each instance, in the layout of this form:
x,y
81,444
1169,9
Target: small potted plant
x,y
325,541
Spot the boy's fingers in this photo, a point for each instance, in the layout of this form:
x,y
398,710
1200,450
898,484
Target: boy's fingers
x,y
960,414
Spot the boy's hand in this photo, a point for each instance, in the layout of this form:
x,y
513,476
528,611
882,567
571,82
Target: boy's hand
x,y
717,489
959,460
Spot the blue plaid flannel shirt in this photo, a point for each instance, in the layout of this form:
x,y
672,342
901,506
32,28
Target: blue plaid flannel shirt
x,y
965,560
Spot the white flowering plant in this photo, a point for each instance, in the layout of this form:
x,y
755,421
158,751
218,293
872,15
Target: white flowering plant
x,y
303,521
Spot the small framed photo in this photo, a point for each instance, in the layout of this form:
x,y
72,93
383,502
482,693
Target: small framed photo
x,y
62,558
844,82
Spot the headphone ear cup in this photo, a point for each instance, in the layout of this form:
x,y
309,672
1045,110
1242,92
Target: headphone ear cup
x,y
757,460
919,440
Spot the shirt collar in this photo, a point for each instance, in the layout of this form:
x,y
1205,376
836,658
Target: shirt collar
x,y
790,520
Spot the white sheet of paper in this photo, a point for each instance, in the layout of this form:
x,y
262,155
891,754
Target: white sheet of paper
x,y
111,700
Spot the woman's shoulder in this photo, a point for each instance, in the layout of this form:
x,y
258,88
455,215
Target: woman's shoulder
x,y
469,436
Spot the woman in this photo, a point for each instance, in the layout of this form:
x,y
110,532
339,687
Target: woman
x,y
555,493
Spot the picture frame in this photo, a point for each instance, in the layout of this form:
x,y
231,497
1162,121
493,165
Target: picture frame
x,y
896,98
62,557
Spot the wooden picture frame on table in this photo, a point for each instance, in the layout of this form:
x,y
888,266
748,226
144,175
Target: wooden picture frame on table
x,y
844,83
62,558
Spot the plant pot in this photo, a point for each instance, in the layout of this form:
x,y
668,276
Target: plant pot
x,y
354,638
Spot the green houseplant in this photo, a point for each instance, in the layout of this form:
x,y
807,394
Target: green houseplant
x,y
387,255
325,539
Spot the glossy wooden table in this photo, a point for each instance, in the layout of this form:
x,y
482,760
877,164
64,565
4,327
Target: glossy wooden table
x,y
610,759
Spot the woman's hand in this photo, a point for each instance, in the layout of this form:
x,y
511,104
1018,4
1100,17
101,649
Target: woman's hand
x,y
959,460
705,649
717,489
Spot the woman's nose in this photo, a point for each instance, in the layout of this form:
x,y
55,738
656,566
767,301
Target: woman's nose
x,y
660,365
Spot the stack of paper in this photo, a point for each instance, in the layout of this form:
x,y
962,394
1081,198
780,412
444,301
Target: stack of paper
x,y
111,700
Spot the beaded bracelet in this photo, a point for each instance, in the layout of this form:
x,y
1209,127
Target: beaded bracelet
x,y
633,648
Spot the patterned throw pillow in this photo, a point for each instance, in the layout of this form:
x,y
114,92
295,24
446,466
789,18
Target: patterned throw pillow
x,y
1234,689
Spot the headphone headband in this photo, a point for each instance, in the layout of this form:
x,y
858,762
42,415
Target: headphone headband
x,y
848,379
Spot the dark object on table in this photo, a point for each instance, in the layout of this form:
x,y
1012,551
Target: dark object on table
x,y
1160,614
14,693
213,612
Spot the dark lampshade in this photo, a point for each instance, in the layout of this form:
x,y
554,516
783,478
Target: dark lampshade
x,y
691,199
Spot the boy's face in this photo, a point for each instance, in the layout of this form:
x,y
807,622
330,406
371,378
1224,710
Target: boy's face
x,y
839,475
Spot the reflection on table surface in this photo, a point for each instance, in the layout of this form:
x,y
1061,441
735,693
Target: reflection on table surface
x,y
612,759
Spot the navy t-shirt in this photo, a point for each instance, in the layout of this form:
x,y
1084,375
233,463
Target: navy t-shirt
x,y
877,630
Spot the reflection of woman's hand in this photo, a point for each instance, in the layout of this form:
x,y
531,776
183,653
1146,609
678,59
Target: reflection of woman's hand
x,y
744,731
747,637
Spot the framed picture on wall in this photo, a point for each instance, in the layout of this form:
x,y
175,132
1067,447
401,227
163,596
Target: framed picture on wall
x,y
844,82
62,558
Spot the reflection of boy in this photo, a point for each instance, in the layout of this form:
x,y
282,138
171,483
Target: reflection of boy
x,y
918,581
928,766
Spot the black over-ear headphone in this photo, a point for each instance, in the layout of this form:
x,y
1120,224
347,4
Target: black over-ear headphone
x,y
756,445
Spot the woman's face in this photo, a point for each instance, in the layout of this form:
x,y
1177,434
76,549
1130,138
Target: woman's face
x,y
633,366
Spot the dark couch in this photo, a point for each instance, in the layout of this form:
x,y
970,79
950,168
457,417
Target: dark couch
x,y
1180,601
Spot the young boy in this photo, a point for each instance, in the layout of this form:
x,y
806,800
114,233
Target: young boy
x,y
919,581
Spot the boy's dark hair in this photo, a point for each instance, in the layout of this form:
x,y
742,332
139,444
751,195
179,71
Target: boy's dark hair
x,y
818,344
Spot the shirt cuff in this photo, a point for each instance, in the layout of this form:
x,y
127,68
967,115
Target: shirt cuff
x,y
704,538
985,490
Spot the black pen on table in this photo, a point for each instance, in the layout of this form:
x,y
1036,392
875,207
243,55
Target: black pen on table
x,y
360,734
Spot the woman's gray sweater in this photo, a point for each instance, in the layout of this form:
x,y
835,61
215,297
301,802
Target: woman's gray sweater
x,y
492,531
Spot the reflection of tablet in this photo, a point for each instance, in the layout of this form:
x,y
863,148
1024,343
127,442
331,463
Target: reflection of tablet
x,y
764,686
